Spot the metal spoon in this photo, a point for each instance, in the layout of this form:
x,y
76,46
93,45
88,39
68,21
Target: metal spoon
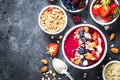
x,y
61,67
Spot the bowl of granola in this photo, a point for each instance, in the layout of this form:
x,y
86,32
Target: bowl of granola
x,y
84,46
111,71
104,12
52,19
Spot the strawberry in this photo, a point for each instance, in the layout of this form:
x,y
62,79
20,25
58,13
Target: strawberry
x,y
107,18
95,11
96,42
114,9
104,11
93,53
94,35
52,48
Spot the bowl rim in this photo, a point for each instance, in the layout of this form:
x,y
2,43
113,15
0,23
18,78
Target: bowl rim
x,y
97,63
40,14
75,10
102,23
110,62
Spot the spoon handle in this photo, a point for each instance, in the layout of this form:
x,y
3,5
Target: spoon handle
x,y
69,76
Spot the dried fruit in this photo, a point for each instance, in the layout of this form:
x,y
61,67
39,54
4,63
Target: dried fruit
x,y
44,61
112,36
44,69
115,50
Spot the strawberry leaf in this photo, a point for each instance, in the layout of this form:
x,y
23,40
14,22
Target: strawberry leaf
x,y
106,2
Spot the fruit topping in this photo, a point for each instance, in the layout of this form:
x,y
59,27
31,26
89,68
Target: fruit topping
x,y
76,19
52,48
74,4
81,50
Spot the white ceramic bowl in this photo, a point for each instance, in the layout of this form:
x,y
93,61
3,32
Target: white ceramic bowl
x,y
75,11
85,67
41,13
109,63
101,22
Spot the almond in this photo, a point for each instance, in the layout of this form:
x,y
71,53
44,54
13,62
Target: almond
x,y
115,50
44,61
86,28
89,57
77,61
112,36
44,69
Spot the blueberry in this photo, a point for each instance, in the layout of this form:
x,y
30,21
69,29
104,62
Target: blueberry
x,y
83,39
68,1
81,34
67,6
72,6
81,50
63,1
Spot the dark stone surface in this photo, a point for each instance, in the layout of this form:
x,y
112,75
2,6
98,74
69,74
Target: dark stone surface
x,y
23,43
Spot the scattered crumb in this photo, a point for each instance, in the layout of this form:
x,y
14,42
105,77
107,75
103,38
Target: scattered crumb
x,y
48,78
52,37
43,73
43,78
106,27
112,45
50,58
54,74
85,74
110,58
103,66
60,37
98,77
50,71
58,41
59,78
84,21
46,75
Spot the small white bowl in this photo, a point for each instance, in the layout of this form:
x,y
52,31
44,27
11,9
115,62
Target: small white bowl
x,y
86,67
41,13
101,22
109,63
75,11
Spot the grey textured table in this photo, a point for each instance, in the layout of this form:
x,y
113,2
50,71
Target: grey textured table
x,y
23,43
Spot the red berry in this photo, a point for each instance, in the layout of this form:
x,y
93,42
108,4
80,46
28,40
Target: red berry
x,y
81,4
93,53
96,42
95,11
76,19
113,7
107,19
75,1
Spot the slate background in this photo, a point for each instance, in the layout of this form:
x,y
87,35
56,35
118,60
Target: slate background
x,y
23,43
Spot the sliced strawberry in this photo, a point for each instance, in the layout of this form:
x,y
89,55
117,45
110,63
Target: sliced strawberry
x,y
52,48
95,11
107,19
94,35
93,53
96,58
104,11
96,42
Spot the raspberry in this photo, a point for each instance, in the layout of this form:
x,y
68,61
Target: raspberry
x,y
81,4
76,19
75,1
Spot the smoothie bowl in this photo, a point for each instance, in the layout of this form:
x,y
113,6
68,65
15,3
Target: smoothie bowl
x,y
84,46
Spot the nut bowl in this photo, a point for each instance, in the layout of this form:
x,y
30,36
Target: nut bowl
x,y
52,19
74,6
102,16
111,71
84,46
